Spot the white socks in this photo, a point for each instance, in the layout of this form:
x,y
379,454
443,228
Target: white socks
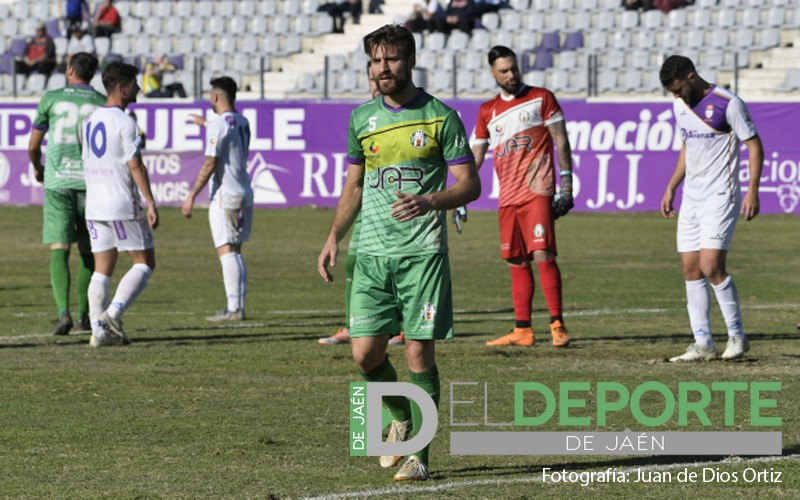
x,y
130,286
234,276
698,303
728,299
98,293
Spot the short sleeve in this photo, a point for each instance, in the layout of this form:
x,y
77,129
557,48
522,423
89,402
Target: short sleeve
x,y
551,111
739,119
482,125
129,136
355,151
454,143
213,138
42,119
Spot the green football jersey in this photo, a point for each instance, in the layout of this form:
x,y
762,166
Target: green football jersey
x,y
406,149
61,113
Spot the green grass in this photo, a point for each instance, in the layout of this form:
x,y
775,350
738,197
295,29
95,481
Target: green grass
x,y
259,409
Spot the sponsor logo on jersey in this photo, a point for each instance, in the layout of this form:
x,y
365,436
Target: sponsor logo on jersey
x,y
498,128
428,312
373,147
538,231
419,139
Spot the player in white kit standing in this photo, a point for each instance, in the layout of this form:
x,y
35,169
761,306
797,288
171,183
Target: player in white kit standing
x,y
116,180
712,122
230,210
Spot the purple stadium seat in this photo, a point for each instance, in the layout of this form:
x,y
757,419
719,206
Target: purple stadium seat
x,y
573,41
544,60
550,42
18,47
6,60
53,28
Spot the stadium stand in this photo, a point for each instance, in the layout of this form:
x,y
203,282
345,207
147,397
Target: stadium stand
x,y
753,43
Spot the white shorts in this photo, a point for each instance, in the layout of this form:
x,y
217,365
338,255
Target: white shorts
x,y
229,226
124,235
707,224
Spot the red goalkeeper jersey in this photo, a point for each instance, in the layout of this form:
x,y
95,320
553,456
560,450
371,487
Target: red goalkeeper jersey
x,y
516,128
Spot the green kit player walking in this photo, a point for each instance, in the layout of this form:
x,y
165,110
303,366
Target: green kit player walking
x,y
61,113
401,146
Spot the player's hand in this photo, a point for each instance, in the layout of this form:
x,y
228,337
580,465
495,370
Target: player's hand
x,y
562,203
197,119
750,205
666,205
459,217
152,216
409,206
327,256
186,208
39,173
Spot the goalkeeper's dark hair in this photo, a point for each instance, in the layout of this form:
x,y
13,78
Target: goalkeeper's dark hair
x,y
675,68
118,73
227,86
499,51
85,65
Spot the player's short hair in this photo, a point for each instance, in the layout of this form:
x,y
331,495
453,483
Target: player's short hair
x,y
395,35
675,68
227,86
84,64
499,51
118,73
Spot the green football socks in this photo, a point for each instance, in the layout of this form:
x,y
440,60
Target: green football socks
x,y
396,405
428,381
60,279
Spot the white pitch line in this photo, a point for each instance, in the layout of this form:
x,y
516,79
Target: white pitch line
x,y
461,314
534,478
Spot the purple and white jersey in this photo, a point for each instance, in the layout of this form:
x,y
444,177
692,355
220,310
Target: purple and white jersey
x,y
711,131
228,140
109,143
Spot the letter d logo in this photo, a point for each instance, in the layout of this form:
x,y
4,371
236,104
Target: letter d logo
x,y
375,447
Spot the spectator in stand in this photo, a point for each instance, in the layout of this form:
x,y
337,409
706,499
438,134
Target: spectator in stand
x,y
459,14
637,4
40,54
153,79
106,20
73,13
667,5
338,11
425,16
484,6
79,41
375,7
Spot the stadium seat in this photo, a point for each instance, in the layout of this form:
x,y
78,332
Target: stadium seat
x,y
479,41
35,84
21,10
490,21
131,26
532,21
668,40
442,81
280,24
729,4
162,9
141,9
267,7
540,5
215,26
54,28
202,8
652,19
534,78
579,21
621,40
226,44
631,81
606,80
711,59
301,24
639,58
458,40
565,60
102,45
141,46
719,38
292,44
124,7
161,44
573,41
205,45
768,38
248,44
427,59
434,41
224,8
348,82
290,8
651,82
705,4
217,63
520,5
174,25
726,18
323,23
597,40
743,38
61,46
543,60
556,81
677,19
527,41
700,18
556,20
791,82
465,81
306,83
357,60
695,38
586,5
56,81
152,26
604,20
629,20
502,38
613,59
270,43
775,17
509,20
550,41
246,8
184,44
184,9
120,44
260,24
18,47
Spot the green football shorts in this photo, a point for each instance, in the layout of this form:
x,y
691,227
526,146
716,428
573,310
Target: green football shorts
x,y
64,220
410,294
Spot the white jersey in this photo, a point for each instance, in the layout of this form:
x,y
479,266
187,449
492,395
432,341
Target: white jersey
x,y
711,131
109,141
228,140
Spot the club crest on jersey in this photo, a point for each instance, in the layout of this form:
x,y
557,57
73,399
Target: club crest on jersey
x,y
538,231
524,116
419,139
709,112
374,147
428,312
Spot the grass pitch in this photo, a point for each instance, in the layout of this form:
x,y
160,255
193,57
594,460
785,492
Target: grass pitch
x,y
259,408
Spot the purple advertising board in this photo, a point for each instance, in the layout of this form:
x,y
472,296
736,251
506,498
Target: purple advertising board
x,y
624,153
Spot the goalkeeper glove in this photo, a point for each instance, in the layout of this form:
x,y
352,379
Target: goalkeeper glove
x,y
459,216
562,203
